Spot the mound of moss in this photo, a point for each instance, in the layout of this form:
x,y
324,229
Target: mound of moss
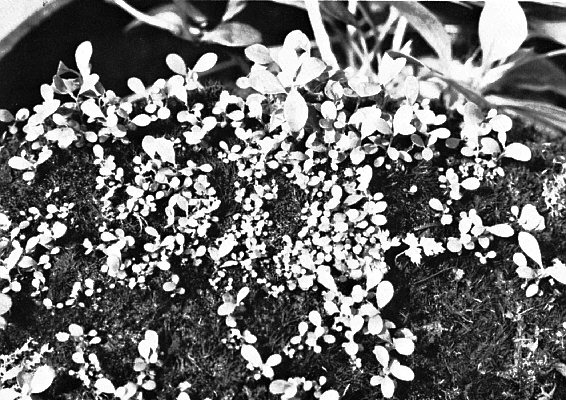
x,y
314,236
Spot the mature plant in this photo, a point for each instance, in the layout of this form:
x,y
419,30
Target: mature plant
x,y
193,243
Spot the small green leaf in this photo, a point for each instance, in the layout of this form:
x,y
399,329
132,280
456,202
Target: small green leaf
x,y
82,57
258,53
19,163
383,293
105,386
530,247
295,110
92,109
233,34
517,151
389,68
311,68
205,62
136,85
5,303
6,116
265,82
141,120
401,372
42,379
176,64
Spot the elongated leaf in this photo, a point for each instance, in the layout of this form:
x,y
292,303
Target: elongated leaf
x,y
530,247
429,27
42,379
205,62
401,372
136,85
251,355
5,303
233,34
19,163
265,82
91,109
258,53
383,293
295,110
501,230
105,386
518,151
82,57
311,69
176,64
502,29
536,111
233,8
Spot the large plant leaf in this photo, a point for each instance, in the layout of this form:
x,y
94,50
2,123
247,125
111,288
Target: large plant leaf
x,y
233,34
429,27
549,115
502,29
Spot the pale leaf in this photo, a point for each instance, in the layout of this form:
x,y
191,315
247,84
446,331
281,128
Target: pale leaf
x,y
404,346
295,110
436,205
518,151
532,290
233,34
105,386
530,247
501,230
265,82
471,183
387,387
389,68
384,293
311,68
164,147
251,355
19,163
330,395
136,85
557,271
242,294
401,372
5,303
176,64
205,62
258,53
42,379
502,29
141,120
82,57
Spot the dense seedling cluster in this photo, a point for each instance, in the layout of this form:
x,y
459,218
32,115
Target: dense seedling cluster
x,y
192,243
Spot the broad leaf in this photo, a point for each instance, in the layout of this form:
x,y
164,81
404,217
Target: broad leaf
x,y
258,53
19,163
6,116
401,372
141,120
429,27
105,386
265,82
251,355
383,293
501,230
176,64
471,183
233,34
517,151
502,29
205,62
404,346
311,68
136,85
42,379
295,110
92,109
530,247
389,68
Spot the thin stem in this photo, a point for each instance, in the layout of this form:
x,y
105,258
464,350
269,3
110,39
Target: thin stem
x,y
320,34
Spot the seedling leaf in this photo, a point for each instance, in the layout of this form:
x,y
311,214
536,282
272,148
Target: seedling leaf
x,y
105,386
82,57
530,247
258,53
42,379
205,62
295,110
401,372
384,293
176,64
5,303
518,151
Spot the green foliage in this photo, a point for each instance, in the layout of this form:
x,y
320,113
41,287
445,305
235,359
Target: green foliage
x,y
285,242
